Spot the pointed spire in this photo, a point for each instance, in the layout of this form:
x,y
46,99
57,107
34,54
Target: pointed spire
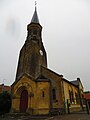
x,y
35,16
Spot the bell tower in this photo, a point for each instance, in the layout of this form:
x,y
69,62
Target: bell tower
x,y
32,54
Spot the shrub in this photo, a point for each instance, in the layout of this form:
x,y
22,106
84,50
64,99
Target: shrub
x,y
5,102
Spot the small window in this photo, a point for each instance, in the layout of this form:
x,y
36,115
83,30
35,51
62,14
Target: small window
x,y
54,94
43,94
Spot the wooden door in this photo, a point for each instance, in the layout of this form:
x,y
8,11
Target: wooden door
x,y
24,101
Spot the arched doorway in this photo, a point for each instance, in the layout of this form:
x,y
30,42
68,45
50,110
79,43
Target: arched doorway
x,y
24,101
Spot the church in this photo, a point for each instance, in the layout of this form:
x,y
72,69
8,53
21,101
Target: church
x,y
37,90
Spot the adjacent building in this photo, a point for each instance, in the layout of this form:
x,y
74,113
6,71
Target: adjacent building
x,y
5,88
87,97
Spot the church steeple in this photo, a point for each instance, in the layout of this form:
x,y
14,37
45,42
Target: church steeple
x,y
33,54
34,28
35,17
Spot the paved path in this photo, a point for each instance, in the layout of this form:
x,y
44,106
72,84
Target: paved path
x,y
80,116
71,117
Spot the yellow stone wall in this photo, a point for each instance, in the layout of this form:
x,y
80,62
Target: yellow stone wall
x,y
23,84
43,103
36,103
56,82
67,87
73,106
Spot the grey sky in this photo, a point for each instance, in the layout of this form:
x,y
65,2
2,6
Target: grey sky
x,y
66,36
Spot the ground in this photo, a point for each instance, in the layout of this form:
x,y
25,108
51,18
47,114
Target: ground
x,y
72,117
75,116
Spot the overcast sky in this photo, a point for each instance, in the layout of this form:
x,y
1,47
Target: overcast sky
x,y
66,36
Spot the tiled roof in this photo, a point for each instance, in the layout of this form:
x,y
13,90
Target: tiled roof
x,y
75,82
5,88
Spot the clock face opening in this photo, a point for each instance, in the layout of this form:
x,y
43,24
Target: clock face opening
x,y
41,52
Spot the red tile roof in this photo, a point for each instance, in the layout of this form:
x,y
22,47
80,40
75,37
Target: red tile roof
x,y
5,88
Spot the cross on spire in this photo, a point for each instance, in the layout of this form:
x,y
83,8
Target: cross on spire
x,y
35,16
35,3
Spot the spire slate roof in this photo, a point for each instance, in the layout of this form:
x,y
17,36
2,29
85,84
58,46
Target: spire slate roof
x,y
35,17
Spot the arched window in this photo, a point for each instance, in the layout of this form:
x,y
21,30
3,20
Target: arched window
x,y
54,93
35,31
77,97
71,96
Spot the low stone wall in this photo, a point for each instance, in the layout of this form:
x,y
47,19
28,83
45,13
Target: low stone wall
x,y
75,108
57,111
